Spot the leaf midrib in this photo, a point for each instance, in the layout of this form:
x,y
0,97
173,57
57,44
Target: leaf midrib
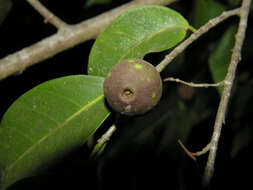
x,y
56,129
185,27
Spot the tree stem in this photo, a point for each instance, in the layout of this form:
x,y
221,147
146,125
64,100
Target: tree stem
x,y
65,39
220,117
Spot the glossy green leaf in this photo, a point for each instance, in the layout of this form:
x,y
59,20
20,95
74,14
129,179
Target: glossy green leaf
x,y
134,34
206,10
220,58
47,122
5,6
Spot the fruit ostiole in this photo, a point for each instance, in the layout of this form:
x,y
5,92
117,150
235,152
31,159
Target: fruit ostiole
x,y
133,87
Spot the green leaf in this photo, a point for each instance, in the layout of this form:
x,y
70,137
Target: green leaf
x,y
134,34
5,7
47,122
220,58
206,10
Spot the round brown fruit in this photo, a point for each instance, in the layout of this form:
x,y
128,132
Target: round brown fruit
x,y
133,87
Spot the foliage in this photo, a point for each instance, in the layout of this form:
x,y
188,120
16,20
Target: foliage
x,y
136,33
47,122
57,116
205,10
52,120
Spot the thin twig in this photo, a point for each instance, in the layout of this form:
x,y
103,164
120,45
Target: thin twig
x,y
205,85
107,135
189,153
193,155
48,15
220,117
99,147
65,39
203,151
202,30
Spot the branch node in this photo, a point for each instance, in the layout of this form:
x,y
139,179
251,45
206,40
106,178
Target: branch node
x,y
61,41
194,154
189,153
220,116
49,17
194,36
227,82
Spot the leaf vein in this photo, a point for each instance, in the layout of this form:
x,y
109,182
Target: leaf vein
x,y
150,36
85,107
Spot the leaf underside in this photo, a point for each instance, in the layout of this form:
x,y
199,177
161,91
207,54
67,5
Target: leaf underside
x,y
134,34
47,122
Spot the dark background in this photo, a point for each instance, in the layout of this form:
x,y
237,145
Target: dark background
x,y
143,152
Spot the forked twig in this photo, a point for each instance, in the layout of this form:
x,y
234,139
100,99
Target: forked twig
x,y
243,12
189,153
220,117
194,154
194,36
65,39
48,15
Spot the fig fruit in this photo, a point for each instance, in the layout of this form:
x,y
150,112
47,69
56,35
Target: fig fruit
x,y
133,87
